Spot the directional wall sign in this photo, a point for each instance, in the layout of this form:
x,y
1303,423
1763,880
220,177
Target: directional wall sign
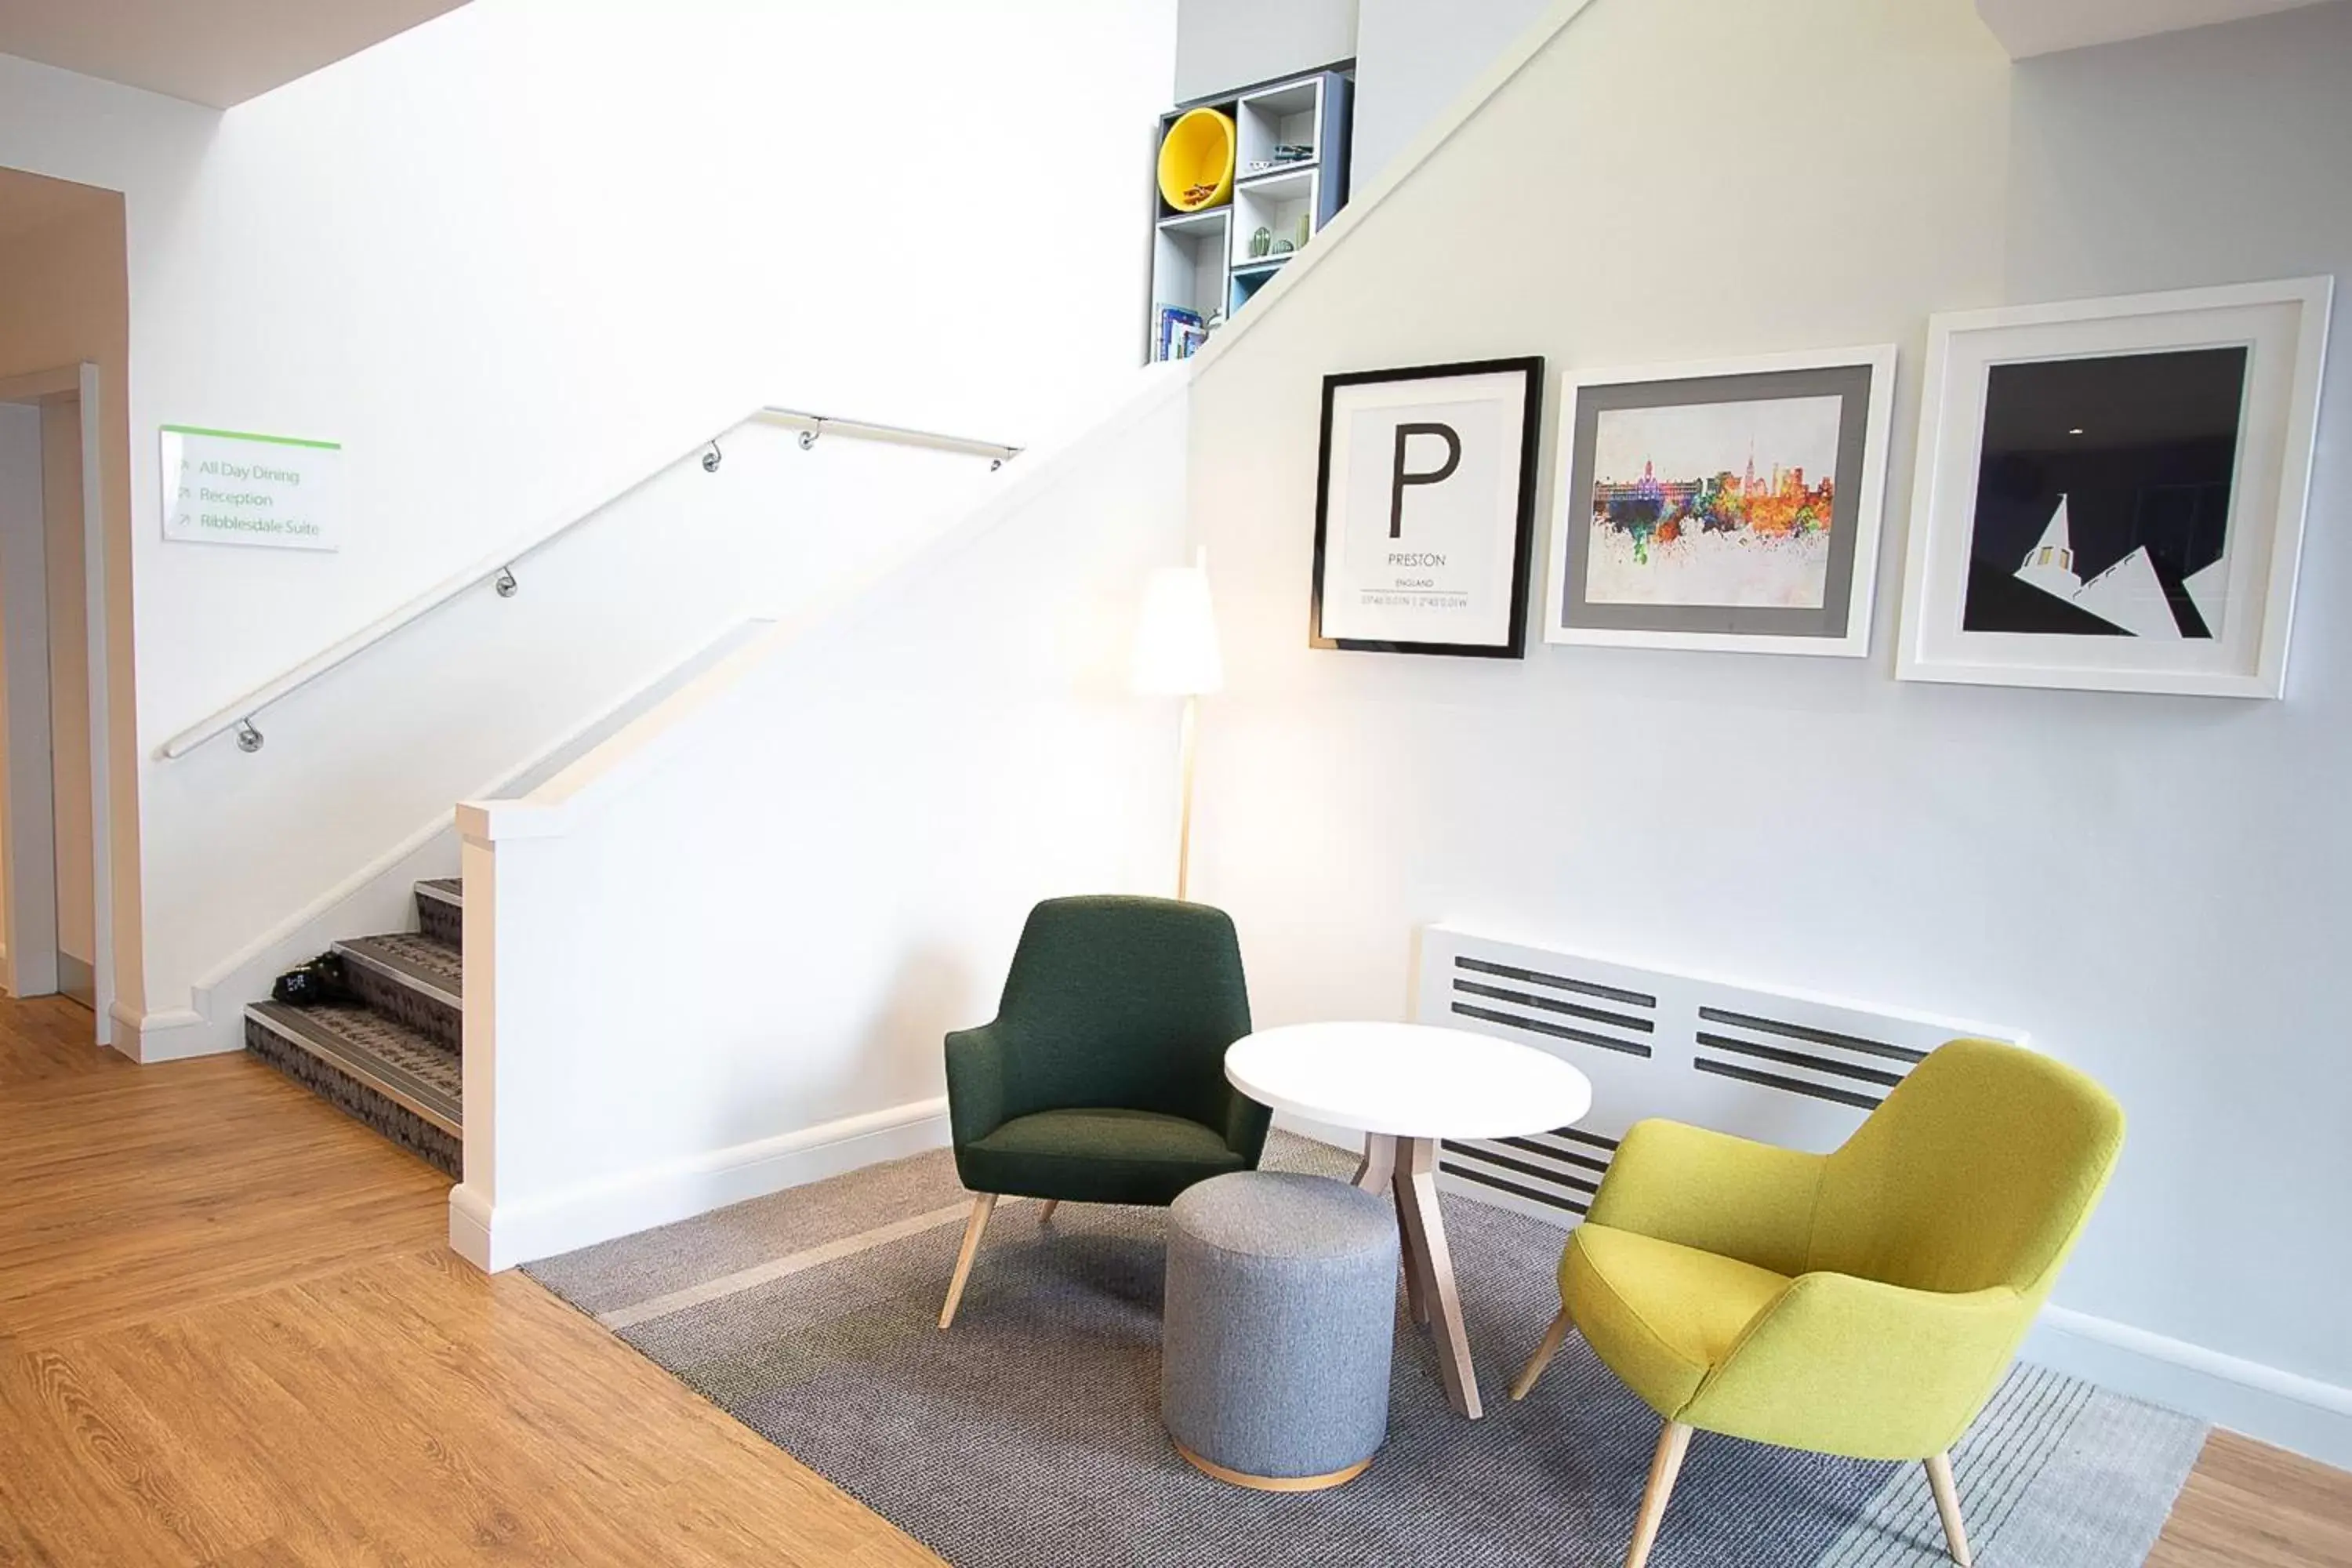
x,y
226,486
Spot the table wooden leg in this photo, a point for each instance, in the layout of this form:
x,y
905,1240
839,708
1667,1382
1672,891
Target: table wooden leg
x,y
1379,1174
1423,1230
1416,1263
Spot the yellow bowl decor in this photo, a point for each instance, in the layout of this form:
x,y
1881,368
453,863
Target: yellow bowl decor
x,y
1196,161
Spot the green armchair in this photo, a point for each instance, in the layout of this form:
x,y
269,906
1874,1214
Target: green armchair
x,y
1866,1302
1102,1077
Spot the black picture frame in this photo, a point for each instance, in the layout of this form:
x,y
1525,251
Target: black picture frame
x,y
1530,368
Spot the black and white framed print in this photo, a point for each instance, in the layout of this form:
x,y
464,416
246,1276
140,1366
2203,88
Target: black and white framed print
x,y
1732,506
2111,492
1425,509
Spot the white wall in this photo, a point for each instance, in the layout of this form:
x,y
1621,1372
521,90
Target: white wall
x,y
1414,60
1224,44
2152,886
719,956
514,260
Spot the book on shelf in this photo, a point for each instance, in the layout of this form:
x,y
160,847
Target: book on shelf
x,y
1180,332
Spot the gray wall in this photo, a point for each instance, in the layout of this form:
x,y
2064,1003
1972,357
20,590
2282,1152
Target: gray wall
x,y
2153,885
1414,58
1222,44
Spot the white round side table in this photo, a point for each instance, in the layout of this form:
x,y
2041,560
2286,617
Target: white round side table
x,y
1409,1087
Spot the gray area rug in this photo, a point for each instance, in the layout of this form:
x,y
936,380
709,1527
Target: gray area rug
x,y
1029,1434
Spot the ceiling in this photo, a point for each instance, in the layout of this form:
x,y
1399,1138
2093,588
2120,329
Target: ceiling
x,y
28,202
215,52
2041,27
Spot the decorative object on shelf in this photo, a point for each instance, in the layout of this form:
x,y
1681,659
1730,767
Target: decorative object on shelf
x,y
1306,230
1425,509
1196,161
1283,248
1282,157
1176,654
1261,240
1175,321
1731,506
2110,493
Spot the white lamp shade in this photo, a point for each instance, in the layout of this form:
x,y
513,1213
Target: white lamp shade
x,y
1176,640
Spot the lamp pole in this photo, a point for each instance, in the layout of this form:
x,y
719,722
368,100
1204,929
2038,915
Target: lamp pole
x,y
1176,654
1184,795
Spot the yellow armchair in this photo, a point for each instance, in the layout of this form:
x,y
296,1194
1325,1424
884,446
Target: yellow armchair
x,y
1864,1303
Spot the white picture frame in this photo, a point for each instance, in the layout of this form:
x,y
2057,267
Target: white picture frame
x,y
1838,625
2230,640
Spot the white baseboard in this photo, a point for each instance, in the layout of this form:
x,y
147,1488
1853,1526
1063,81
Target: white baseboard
x,y
494,1236
171,1035
2279,1407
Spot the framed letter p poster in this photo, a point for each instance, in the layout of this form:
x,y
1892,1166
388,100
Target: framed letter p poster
x,y
1425,509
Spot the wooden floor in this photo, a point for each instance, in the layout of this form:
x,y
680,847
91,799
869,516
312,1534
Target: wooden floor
x,y
230,1334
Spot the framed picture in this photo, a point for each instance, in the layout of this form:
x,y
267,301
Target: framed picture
x,y
2111,492
1424,509
1732,506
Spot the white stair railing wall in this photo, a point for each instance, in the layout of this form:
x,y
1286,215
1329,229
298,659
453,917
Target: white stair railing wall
x,y
716,956
468,688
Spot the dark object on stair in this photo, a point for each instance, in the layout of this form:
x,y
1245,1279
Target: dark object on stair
x,y
317,983
374,1028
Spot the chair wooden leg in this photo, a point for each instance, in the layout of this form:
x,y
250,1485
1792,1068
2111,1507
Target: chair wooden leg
x,y
1665,1465
980,1206
1047,1212
1550,1347
1947,1505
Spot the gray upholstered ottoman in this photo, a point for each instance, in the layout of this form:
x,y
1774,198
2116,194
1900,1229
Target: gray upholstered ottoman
x,y
1274,1360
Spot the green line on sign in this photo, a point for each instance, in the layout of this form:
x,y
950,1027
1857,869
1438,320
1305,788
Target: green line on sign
x,y
249,436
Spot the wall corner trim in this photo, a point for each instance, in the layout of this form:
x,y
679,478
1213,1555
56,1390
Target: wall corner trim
x,y
1401,168
170,1035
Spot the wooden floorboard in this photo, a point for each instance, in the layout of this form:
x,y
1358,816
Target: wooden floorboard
x,y
231,1336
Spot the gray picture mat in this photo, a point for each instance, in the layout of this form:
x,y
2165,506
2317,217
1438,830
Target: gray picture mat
x,y
1851,384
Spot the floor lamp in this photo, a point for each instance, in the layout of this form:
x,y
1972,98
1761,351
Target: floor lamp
x,y
1176,656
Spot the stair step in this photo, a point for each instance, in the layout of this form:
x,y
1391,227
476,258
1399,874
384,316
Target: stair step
x,y
441,909
411,978
399,1081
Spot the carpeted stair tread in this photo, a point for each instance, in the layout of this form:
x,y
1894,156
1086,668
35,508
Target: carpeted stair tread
x,y
430,964
400,1065
411,979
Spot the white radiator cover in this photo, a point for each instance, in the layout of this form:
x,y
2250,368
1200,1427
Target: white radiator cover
x,y
1784,1066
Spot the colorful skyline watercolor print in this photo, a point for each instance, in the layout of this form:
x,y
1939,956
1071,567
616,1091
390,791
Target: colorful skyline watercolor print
x,y
1727,505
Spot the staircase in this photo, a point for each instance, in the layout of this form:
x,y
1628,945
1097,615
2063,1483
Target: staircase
x,y
393,1059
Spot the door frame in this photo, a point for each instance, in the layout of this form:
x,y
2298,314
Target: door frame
x,y
81,383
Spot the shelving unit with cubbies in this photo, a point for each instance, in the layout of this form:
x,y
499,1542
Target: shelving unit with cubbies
x,y
1290,180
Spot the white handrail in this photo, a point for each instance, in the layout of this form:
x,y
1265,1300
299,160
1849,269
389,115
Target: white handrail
x,y
499,568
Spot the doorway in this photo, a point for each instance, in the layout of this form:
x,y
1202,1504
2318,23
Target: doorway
x,y
56,923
